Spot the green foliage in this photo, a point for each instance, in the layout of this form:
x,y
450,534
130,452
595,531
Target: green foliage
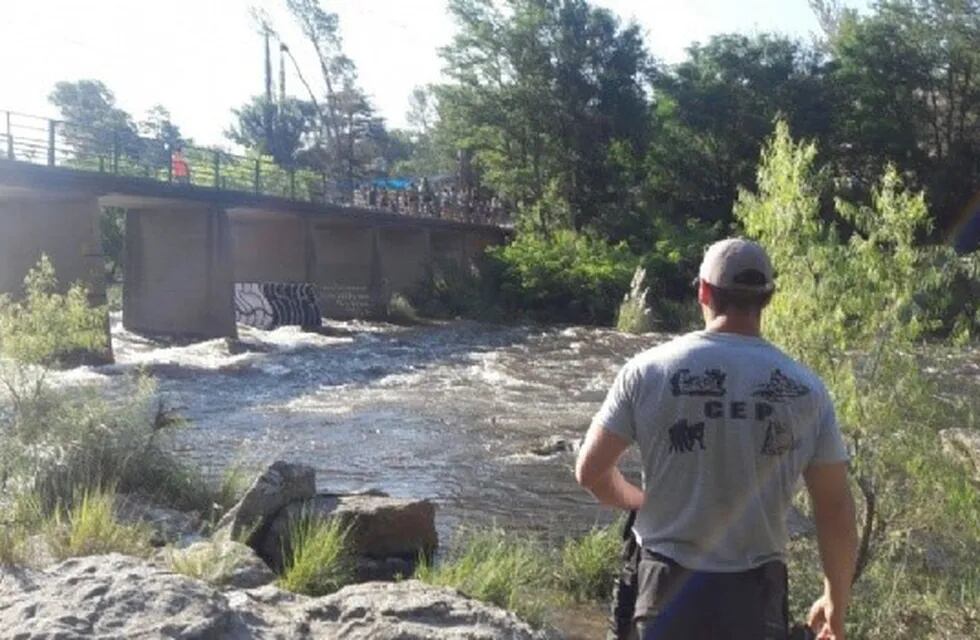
x,y
714,110
452,291
590,564
564,276
112,225
849,308
48,327
60,441
909,94
498,568
90,527
277,129
539,92
318,560
634,316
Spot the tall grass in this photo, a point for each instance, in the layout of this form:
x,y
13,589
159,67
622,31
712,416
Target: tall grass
x,y
501,569
90,527
589,565
318,559
634,315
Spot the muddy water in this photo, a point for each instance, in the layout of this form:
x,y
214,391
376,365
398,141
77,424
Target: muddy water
x,y
449,412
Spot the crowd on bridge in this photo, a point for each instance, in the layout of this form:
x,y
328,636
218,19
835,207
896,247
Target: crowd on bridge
x,y
420,199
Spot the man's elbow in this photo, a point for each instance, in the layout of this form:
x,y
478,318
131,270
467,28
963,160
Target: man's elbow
x,y
584,474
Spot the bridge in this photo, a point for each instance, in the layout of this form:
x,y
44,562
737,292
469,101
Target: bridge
x,y
235,222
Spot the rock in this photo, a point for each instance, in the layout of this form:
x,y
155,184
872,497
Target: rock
x,y
280,484
222,563
118,597
557,444
963,445
381,526
169,526
410,609
110,596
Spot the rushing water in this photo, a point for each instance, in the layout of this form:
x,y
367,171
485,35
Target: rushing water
x,y
449,412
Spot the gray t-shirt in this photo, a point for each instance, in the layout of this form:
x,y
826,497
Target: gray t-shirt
x,y
725,424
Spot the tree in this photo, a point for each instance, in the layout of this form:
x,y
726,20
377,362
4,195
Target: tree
x,y
281,130
539,91
94,125
714,110
908,81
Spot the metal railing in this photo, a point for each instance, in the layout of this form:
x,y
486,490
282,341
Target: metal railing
x,y
120,152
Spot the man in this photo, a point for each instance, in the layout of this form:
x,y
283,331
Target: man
x,y
178,166
725,424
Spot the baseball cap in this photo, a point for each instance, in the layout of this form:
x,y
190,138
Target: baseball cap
x,y
737,264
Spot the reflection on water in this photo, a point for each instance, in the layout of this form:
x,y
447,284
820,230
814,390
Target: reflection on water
x,y
448,412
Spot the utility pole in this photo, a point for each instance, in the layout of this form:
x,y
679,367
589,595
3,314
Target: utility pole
x,y
282,73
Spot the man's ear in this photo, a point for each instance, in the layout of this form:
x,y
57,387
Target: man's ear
x,y
704,293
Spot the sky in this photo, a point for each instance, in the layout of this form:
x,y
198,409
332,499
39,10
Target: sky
x,y
201,58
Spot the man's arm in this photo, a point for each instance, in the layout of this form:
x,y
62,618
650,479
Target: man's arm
x,y
833,510
596,471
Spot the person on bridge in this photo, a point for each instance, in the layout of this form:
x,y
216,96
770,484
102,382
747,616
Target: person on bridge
x,y
180,169
726,424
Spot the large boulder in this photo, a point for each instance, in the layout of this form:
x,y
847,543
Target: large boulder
x,y
280,484
963,445
110,596
380,526
118,597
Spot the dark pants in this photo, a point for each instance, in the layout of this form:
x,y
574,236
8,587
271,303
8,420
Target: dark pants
x,y
624,593
674,603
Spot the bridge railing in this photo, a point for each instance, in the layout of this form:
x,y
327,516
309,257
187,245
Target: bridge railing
x,y
111,150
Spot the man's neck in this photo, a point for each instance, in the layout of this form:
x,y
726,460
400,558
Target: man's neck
x,y
741,325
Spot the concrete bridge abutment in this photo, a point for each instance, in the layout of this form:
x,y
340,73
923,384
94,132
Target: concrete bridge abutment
x,y
179,270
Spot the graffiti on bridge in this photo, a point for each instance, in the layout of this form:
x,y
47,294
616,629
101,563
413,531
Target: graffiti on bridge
x,y
268,305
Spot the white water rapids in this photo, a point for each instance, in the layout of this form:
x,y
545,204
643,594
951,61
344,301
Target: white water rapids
x,y
448,412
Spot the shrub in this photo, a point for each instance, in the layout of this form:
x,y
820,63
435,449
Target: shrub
x,y
59,442
89,527
849,308
634,316
49,328
318,560
20,517
452,291
590,564
497,568
564,276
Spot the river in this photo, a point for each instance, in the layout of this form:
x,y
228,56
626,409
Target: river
x,y
447,411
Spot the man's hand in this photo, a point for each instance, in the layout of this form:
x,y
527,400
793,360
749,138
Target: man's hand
x,y
833,513
826,620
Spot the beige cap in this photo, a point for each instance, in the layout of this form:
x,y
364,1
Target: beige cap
x,y
738,264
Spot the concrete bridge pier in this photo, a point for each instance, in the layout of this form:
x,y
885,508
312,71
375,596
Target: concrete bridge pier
x,y
406,259
344,262
268,246
179,270
63,226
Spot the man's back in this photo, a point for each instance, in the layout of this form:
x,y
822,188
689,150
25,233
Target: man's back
x,y
725,423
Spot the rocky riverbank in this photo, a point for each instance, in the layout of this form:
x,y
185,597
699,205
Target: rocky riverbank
x,y
221,582
115,596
